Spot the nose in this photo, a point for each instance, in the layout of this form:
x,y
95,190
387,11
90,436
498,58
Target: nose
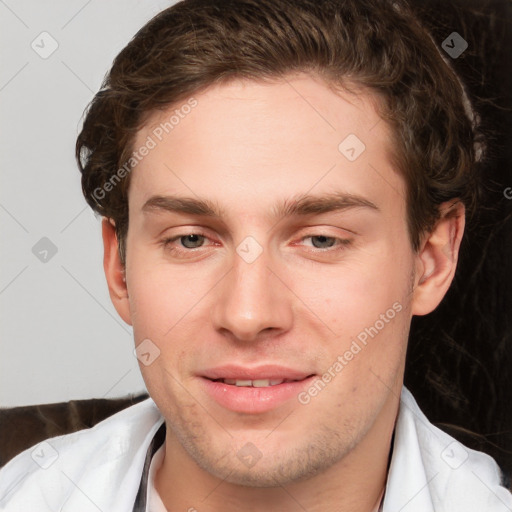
x,y
253,300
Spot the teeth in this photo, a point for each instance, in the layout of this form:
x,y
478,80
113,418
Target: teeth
x,y
260,383
243,383
263,383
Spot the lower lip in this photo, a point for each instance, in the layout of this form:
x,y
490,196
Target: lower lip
x,y
251,400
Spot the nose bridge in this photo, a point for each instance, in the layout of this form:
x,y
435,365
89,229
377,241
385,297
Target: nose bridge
x,y
251,299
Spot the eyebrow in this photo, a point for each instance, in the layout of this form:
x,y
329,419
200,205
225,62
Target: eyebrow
x,y
300,205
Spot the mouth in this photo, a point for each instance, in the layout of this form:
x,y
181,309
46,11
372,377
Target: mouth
x,y
254,392
257,383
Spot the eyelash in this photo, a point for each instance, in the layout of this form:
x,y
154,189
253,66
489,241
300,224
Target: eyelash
x,y
342,243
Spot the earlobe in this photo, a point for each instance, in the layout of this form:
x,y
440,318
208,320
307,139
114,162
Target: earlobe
x,y
437,259
115,271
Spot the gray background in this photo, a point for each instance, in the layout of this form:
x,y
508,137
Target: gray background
x,y
60,336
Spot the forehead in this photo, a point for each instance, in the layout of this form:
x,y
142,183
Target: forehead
x,y
248,144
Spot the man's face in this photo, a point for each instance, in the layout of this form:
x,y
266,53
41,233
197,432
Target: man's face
x,y
268,295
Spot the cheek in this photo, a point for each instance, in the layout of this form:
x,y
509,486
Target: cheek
x,y
154,300
367,306
165,300
352,295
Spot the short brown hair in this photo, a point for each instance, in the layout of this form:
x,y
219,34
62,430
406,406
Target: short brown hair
x,y
377,45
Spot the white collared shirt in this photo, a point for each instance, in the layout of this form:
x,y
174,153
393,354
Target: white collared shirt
x,y
101,468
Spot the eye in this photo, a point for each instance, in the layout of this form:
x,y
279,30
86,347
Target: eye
x,y
324,242
192,241
187,243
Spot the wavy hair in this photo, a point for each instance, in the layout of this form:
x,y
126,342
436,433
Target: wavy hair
x,y
376,45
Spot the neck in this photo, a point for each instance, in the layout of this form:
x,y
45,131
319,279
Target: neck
x,y
353,484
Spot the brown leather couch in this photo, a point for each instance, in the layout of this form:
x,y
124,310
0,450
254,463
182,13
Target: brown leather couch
x,y
23,427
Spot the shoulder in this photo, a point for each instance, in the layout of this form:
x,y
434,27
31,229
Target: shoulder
x,y
90,469
458,478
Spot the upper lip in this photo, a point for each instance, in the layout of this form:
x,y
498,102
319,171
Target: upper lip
x,y
269,371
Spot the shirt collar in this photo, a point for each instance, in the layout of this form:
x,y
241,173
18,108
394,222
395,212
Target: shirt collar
x,y
407,487
156,443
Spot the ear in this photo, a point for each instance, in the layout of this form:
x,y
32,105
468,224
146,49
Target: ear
x,y
115,271
436,261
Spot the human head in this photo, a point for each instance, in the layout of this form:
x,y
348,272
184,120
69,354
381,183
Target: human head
x,y
374,44
220,309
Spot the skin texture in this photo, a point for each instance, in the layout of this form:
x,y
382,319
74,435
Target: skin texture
x,y
247,146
